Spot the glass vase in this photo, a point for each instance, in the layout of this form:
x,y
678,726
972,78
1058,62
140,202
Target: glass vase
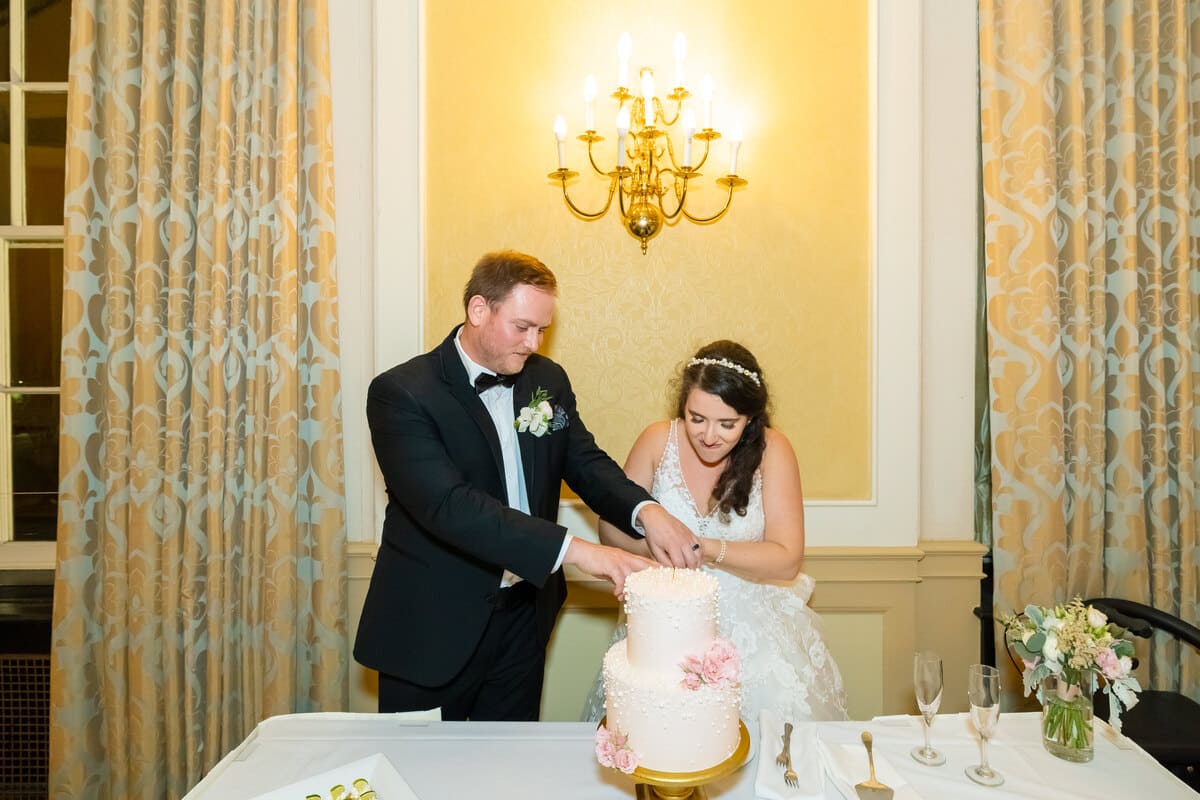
x,y
1067,718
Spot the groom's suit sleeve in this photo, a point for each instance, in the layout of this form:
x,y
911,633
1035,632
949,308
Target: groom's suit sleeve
x,y
594,476
422,475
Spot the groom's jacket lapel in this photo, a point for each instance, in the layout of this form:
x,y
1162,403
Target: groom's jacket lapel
x,y
455,376
522,394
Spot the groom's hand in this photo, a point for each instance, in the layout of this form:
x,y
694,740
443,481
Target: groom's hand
x,y
671,542
611,563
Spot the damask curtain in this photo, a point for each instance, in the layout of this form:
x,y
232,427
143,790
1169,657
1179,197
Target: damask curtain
x,y
201,582
1090,130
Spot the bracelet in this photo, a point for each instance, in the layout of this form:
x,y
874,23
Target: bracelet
x,y
721,555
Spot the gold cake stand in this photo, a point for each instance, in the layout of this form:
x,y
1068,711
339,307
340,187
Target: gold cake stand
x,y
655,785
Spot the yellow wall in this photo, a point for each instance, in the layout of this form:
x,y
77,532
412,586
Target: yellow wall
x,y
787,272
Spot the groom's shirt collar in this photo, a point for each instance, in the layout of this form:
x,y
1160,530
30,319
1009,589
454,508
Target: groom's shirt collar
x,y
473,370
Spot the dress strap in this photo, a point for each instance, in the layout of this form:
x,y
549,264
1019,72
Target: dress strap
x,y
668,471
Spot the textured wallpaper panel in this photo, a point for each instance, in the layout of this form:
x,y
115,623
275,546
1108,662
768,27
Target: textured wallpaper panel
x,y
787,272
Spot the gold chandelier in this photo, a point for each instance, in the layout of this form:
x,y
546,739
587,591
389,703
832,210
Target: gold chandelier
x,y
642,179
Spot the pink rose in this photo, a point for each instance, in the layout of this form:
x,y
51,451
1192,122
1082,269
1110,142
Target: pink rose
x,y
602,734
691,664
721,666
724,649
606,754
1109,664
731,672
691,681
712,669
625,760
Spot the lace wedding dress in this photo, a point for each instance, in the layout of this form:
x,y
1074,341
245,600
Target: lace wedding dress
x,y
786,666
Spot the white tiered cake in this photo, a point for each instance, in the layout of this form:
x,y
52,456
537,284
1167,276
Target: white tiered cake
x,y
672,692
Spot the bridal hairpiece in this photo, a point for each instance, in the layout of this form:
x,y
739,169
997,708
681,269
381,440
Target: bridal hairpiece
x,y
725,362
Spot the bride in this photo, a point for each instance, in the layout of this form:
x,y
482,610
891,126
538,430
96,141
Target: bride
x,y
730,477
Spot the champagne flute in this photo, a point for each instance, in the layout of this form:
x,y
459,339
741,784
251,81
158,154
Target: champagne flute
x,y
927,683
983,692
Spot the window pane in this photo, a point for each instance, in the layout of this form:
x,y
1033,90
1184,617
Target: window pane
x,y
5,158
35,466
45,156
47,39
35,279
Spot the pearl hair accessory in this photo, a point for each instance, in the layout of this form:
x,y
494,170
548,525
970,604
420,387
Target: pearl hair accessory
x,y
725,362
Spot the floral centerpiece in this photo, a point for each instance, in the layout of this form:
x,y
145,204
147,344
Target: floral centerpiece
x,y
1066,651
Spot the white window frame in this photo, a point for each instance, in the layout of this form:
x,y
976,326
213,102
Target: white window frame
x,y
19,555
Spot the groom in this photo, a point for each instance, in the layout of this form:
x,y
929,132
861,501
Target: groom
x,y
474,439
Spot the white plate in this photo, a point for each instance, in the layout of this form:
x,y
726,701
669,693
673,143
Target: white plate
x,y
378,771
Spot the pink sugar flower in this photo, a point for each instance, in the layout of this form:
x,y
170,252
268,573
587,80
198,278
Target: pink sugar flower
x,y
721,667
712,670
731,672
723,648
606,754
602,734
625,760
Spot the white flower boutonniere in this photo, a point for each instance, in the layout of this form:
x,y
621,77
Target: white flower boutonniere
x,y
539,417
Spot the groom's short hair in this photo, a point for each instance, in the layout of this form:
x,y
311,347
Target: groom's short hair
x,y
495,275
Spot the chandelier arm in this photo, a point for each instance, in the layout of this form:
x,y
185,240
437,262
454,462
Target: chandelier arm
x,y
671,154
661,114
680,196
586,214
592,159
714,217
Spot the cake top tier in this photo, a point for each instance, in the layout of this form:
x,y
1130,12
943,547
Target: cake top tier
x,y
669,583
671,614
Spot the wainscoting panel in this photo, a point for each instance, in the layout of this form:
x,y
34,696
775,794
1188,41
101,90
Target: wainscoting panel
x,y
878,604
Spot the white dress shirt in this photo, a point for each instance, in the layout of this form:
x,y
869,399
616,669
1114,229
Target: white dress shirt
x,y
498,400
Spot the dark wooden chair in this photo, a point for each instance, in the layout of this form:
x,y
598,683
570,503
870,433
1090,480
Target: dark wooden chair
x,y
1164,724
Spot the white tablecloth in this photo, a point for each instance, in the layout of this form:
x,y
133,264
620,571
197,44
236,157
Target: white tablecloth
x,y
500,760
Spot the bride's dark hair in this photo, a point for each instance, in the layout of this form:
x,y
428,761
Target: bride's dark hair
x,y
715,369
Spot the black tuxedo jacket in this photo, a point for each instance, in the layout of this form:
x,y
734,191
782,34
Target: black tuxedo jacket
x,y
448,532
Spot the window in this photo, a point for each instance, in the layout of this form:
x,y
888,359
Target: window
x,y
34,47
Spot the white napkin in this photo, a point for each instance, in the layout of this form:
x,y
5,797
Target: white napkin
x,y
768,783
378,771
846,765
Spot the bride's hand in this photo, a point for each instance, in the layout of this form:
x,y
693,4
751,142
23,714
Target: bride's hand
x,y
671,542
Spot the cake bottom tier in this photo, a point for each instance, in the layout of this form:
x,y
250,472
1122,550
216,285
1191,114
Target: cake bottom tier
x,y
670,728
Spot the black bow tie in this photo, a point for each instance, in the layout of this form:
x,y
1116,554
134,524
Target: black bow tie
x,y
486,380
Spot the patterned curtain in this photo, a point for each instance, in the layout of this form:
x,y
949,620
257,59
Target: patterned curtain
x,y
1090,128
201,580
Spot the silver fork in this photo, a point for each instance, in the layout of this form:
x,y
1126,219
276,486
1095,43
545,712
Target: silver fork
x,y
789,774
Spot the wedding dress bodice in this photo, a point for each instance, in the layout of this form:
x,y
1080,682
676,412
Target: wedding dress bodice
x,y
671,491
